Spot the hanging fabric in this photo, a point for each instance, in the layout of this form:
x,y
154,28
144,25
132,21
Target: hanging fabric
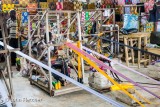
x,y
83,16
7,7
98,4
127,10
25,17
130,21
149,5
52,6
44,5
77,5
128,1
135,1
6,1
32,8
121,2
59,6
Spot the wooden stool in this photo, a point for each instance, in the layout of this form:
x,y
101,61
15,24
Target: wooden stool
x,y
139,37
127,57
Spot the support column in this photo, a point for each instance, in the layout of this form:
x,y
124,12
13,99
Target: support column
x,y
48,53
80,40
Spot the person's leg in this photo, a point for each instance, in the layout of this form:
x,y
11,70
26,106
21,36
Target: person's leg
x,y
13,43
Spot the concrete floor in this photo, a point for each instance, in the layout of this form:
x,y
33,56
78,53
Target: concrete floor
x,y
24,91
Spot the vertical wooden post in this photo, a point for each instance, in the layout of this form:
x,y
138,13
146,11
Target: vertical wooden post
x,y
132,51
126,51
139,52
79,63
80,39
48,53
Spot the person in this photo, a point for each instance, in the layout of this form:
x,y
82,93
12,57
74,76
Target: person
x,y
12,31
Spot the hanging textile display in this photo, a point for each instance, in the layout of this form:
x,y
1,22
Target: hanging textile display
x,y
90,14
127,10
98,4
59,6
52,6
77,5
91,6
32,8
85,6
83,17
25,17
143,1
44,5
149,27
21,3
135,1
149,5
88,25
6,1
15,1
121,2
128,1
68,6
7,7
130,21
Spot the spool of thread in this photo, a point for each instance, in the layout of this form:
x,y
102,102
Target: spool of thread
x,y
59,85
56,86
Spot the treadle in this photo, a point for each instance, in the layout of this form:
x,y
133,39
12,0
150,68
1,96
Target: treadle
x,y
67,89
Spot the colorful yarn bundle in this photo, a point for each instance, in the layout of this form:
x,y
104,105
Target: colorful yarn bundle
x,y
21,3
